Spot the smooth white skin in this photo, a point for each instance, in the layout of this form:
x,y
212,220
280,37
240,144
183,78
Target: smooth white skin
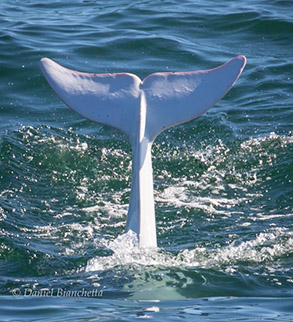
x,y
142,109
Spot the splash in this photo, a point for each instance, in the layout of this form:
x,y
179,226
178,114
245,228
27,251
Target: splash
x,y
265,248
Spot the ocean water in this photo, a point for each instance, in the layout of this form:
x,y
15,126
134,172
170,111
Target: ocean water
x,y
223,182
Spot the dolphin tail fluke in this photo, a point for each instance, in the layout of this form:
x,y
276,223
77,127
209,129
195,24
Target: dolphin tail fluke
x,y
110,99
141,110
174,98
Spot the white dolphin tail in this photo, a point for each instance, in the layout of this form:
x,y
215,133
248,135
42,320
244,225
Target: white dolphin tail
x,y
142,109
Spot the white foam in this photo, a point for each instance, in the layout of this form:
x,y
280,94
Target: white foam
x,y
264,248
